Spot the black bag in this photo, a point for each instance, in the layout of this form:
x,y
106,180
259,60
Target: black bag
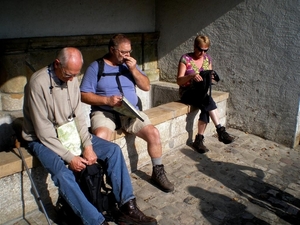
x,y
91,180
207,80
201,89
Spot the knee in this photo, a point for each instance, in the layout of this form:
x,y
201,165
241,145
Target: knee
x,y
115,150
151,134
155,132
63,176
103,133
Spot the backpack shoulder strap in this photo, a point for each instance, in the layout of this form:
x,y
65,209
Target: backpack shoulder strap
x,y
101,68
100,73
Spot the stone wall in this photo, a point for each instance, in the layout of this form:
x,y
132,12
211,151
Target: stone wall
x,y
255,50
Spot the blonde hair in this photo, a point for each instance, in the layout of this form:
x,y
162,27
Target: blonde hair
x,y
202,40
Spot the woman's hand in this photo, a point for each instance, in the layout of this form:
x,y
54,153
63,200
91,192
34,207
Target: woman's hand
x,y
198,78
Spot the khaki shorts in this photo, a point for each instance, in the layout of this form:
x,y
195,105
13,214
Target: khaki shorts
x,y
108,119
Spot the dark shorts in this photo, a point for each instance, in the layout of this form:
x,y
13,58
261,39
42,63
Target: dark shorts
x,y
204,102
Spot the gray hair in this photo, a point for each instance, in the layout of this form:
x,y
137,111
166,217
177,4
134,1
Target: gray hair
x,y
67,53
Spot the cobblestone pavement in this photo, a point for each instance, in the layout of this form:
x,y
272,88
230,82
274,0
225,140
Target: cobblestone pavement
x,y
251,181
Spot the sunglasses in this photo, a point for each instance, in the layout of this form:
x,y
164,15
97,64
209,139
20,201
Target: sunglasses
x,y
201,50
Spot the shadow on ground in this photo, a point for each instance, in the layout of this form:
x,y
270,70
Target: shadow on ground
x,y
248,183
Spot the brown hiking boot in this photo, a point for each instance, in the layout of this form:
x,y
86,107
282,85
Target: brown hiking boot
x,y
131,215
223,136
160,179
198,144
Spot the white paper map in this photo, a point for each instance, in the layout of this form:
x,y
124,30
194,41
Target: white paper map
x,y
128,109
69,137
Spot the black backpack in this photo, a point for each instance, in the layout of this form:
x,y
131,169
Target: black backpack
x,y
204,88
207,80
91,180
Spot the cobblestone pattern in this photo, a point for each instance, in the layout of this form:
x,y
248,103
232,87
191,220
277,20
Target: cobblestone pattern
x,y
251,181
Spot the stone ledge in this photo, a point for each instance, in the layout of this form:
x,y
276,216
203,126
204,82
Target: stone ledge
x,y
171,110
10,162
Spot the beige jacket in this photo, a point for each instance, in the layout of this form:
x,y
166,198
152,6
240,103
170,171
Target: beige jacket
x,y
43,105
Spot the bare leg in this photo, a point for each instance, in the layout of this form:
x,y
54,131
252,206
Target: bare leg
x,y
214,116
103,132
198,142
151,135
201,127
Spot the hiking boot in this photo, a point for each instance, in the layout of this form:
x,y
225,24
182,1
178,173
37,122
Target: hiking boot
x,y
198,144
160,179
223,136
131,215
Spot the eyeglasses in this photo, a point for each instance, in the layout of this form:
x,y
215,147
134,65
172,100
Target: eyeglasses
x,y
201,50
66,75
123,52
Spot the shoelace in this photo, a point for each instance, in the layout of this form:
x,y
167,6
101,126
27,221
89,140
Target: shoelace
x,y
161,174
225,135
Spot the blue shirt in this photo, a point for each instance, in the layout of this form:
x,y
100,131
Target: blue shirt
x,y
107,85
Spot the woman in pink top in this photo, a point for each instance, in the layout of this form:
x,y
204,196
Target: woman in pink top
x,y
193,91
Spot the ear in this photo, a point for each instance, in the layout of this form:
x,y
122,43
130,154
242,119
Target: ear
x,y
56,63
111,49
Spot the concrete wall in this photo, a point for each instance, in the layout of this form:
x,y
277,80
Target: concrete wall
x,y
42,18
255,49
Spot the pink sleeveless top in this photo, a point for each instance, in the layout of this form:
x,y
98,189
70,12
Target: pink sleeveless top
x,y
191,67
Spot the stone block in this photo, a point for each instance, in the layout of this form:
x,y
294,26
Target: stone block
x,y
17,196
152,74
14,85
12,102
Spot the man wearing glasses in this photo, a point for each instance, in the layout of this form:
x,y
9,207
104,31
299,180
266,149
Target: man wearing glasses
x,y
52,99
120,77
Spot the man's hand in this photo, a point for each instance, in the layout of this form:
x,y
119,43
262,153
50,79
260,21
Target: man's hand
x,y
130,62
114,100
77,164
141,81
89,155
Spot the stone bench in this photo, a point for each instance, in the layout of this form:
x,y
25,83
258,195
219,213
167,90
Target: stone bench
x,y
165,117
176,122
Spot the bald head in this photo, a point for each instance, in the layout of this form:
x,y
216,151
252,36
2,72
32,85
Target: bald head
x,y
70,55
68,63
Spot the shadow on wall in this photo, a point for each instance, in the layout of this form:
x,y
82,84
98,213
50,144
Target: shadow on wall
x,y
6,137
9,133
200,13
